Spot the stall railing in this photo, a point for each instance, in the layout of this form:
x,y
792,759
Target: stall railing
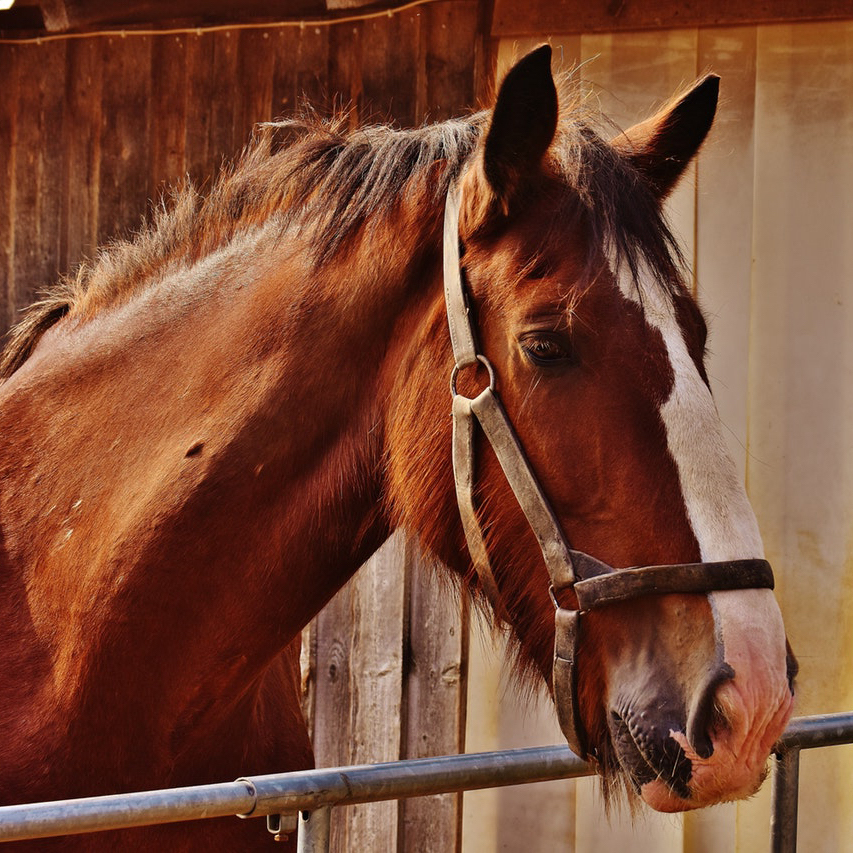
x,y
301,802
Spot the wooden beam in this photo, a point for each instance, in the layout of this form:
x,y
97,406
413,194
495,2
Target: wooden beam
x,y
550,17
81,15
55,15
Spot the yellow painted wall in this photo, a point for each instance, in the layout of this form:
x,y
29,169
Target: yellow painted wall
x,y
767,219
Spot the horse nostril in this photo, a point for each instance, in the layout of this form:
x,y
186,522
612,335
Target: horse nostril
x,y
700,719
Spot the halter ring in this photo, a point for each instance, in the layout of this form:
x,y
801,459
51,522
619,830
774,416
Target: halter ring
x,y
455,372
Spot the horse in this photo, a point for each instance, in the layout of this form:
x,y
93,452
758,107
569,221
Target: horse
x,y
209,428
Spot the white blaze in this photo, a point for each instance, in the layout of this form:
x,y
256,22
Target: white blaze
x,y
724,524
714,497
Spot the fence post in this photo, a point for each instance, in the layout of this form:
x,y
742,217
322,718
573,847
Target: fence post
x,y
785,794
314,830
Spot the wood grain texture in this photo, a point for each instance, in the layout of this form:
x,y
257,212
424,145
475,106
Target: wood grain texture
x,y
82,149
38,170
8,154
538,17
169,89
124,184
434,709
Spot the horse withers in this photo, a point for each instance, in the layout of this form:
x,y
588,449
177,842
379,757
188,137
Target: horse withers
x,y
211,427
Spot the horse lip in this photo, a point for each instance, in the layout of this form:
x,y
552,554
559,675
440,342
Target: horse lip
x,y
633,746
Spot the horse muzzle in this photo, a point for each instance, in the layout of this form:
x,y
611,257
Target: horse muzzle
x,y
691,710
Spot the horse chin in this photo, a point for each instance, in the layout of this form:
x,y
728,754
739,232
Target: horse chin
x,y
673,778
659,796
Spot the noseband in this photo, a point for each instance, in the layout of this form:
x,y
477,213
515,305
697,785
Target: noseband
x,y
594,583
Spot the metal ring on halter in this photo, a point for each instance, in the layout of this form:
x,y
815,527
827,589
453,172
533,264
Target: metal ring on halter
x,y
553,593
485,362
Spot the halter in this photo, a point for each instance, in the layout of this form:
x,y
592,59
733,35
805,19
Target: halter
x,y
594,583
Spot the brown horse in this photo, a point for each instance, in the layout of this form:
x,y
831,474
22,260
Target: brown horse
x,y
208,431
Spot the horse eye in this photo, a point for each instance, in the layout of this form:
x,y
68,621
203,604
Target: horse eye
x,y
546,350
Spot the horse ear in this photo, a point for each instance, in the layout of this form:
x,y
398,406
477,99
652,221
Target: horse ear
x,y
662,146
523,124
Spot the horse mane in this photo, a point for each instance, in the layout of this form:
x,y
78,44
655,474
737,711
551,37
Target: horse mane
x,y
310,170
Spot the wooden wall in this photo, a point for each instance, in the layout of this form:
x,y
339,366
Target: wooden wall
x,y
91,129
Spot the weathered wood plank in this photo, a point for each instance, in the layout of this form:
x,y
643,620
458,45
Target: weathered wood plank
x,y
82,144
126,104
38,169
255,81
358,689
435,693
541,17
389,61
200,94
223,125
333,731
312,67
8,155
286,45
91,14
55,13
345,69
378,596
453,56
168,112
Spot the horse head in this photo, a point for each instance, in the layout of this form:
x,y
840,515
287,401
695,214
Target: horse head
x,y
583,327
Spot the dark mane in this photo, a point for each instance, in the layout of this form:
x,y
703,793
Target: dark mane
x,y
310,170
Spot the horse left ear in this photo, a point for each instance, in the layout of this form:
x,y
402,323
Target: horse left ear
x,y
523,125
662,146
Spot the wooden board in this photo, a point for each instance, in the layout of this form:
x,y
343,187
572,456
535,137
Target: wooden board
x,y
358,692
124,182
8,145
801,375
434,706
38,172
82,148
535,17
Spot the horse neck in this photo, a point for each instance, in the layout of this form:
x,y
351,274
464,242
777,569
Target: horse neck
x,y
244,483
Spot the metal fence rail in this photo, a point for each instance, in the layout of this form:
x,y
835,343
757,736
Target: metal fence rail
x,y
802,733
311,794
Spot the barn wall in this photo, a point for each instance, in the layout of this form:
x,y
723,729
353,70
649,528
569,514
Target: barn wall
x,y
767,222
92,129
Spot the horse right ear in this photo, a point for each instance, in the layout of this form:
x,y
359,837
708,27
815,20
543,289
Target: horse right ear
x,y
523,125
662,146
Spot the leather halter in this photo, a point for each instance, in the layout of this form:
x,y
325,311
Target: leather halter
x,y
594,583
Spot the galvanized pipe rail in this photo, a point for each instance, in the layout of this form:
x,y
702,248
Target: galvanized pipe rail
x,y
292,793
802,733
311,794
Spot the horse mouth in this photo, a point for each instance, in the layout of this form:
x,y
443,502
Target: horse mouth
x,y
646,755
